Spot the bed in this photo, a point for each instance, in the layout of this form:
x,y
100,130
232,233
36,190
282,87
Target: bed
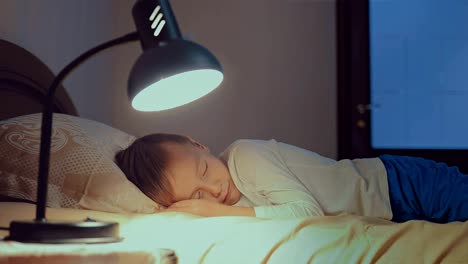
x,y
85,182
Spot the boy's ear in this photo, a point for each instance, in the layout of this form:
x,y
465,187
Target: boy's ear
x,y
198,144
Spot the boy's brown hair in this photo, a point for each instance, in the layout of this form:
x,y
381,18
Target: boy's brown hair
x,y
145,162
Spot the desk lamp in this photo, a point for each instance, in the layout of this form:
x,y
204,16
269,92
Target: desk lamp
x,y
170,72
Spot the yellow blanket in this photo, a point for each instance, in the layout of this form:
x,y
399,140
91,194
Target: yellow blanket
x,y
337,239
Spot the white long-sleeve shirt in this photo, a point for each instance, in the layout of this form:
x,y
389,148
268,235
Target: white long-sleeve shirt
x,y
280,181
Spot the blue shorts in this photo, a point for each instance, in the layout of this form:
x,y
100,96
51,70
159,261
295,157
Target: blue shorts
x,y
422,189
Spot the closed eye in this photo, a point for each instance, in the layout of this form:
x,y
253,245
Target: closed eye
x,y
206,169
199,193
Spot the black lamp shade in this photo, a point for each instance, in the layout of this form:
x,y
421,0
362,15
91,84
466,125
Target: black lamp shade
x,y
173,73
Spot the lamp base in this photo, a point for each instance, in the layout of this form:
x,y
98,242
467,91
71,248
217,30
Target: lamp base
x,y
89,231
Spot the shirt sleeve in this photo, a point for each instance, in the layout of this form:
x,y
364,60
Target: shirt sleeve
x,y
262,170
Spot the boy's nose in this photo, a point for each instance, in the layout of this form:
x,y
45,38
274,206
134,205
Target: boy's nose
x,y
215,190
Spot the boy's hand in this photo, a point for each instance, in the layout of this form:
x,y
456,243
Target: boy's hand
x,y
208,208
197,207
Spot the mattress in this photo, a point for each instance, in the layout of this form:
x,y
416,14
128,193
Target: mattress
x,y
328,239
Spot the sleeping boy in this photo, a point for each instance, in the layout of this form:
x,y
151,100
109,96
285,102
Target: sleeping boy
x,y
270,179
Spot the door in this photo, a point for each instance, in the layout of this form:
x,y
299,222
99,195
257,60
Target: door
x,y
403,79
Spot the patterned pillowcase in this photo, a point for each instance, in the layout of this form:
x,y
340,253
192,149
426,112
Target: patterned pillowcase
x,y
82,171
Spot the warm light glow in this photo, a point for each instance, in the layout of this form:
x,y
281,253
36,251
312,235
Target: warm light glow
x,y
177,90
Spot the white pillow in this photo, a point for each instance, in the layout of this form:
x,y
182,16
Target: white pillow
x,y
82,172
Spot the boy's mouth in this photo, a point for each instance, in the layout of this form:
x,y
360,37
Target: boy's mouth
x,y
228,191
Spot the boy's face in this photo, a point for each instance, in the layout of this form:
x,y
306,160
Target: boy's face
x,y
194,173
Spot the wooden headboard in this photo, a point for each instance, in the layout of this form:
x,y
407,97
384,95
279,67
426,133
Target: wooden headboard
x,y
24,81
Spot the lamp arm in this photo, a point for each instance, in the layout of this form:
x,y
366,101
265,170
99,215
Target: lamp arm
x,y
46,128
